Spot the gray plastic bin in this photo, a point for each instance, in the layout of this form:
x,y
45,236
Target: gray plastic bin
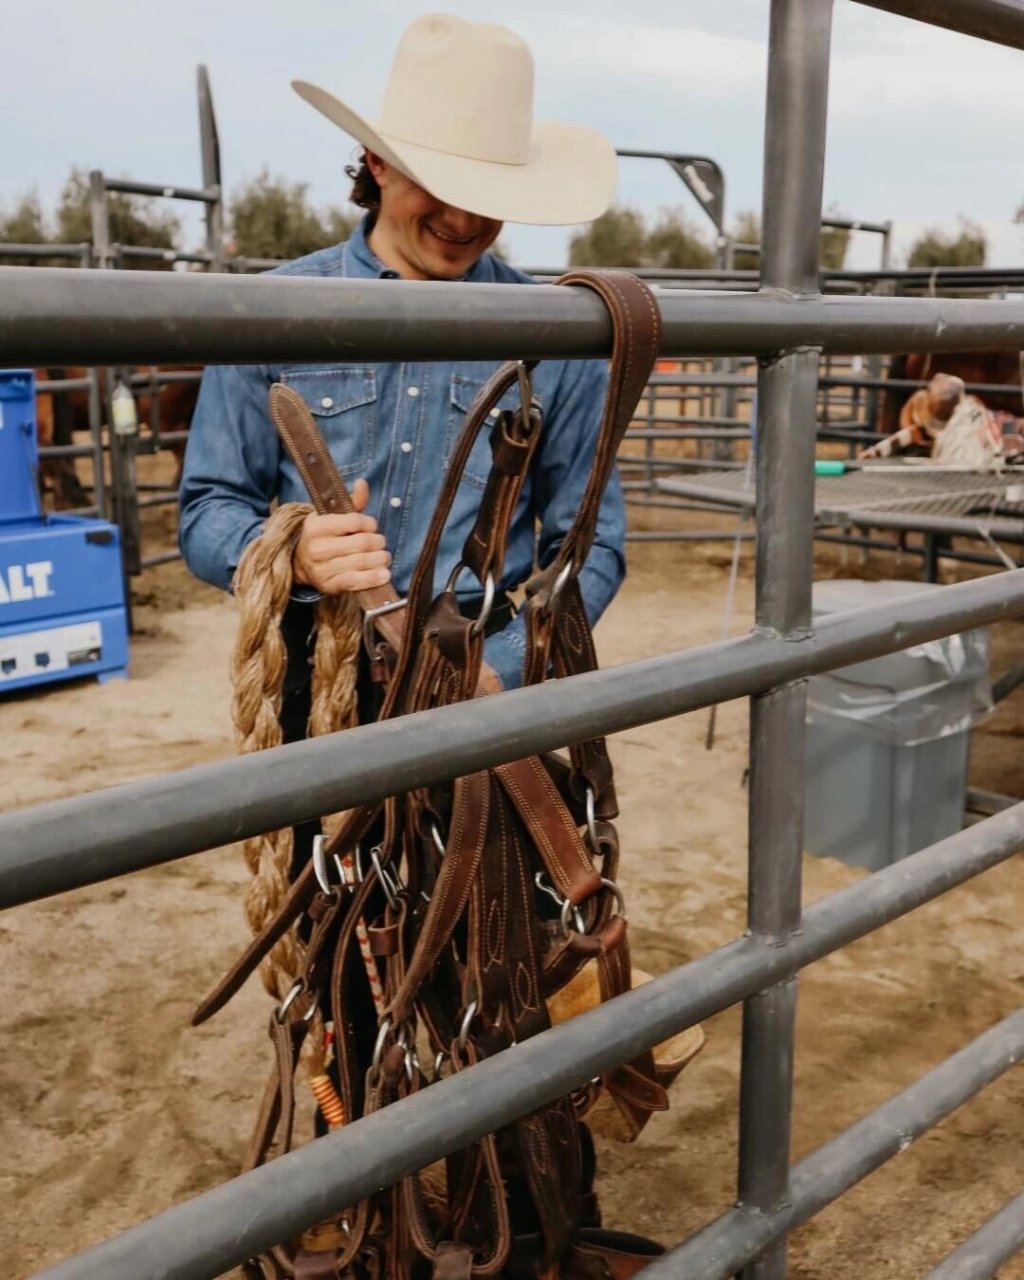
x,y
887,739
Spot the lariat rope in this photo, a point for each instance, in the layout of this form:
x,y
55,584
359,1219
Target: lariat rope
x,y
263,586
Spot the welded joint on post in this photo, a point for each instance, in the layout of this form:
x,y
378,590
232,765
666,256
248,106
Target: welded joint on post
x,y
796,636
809,348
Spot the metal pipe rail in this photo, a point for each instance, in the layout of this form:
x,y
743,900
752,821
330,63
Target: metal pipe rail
x,y
64,315
64,844
998,20
203,1237
984,1252
202,195
731,1241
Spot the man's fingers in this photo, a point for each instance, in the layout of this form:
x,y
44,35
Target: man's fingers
x,y
335,526
349,579
360,495
329,547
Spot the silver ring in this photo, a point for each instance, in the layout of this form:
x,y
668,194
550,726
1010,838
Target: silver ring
x,y
378,1047
437,838
564,574
570,909
391,887
592,819
320,865
480,621
293,993
467,1020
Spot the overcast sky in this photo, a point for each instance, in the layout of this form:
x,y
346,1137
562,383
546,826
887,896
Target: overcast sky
x,y
924,125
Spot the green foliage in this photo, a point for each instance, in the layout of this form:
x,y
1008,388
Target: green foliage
x,y
834,243
25,224
936,248
134,220
746,229
617,239
273,218
674,242
621,238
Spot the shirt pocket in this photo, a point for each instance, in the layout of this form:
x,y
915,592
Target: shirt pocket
x,y
465,389
343,402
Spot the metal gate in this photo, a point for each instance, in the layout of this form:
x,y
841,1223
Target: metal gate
x,y
101,318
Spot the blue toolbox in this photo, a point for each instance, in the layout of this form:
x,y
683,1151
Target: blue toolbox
x,y
62,608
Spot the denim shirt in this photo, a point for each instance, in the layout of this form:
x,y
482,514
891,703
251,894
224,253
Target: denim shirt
x,y
396,425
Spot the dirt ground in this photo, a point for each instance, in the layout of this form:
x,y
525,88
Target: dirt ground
x,y
113,1108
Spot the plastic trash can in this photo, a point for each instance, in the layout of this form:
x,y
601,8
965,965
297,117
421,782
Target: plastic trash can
x,y
887,739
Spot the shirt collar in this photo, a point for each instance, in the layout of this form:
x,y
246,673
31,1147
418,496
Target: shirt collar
x,y
362,262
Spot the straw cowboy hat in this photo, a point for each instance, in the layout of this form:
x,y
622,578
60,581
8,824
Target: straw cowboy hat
x,y
457,118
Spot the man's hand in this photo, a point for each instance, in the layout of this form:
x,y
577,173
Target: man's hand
x,y
342,553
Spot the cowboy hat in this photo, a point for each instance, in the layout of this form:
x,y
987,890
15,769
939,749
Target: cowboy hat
x,y
457,119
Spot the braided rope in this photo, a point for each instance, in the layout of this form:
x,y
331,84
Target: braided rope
x,y
263,585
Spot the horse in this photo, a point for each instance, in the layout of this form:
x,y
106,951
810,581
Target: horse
x,y
992,367
60,414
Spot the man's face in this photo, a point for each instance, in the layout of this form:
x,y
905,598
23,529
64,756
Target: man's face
x,y
420,237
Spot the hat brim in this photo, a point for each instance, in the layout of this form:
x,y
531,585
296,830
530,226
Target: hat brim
x,y
569,176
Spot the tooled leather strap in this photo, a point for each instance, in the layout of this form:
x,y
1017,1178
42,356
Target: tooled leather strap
x,y
308,450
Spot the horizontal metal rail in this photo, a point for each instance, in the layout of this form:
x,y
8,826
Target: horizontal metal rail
x,y
203,195
64,844
724,1246
998,20
68,316
220,1228
982,1254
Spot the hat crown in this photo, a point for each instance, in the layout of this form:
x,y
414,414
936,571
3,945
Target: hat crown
x,y
462,88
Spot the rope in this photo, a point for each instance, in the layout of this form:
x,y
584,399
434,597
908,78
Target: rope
x,y
263,586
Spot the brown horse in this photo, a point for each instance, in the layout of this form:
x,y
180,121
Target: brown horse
x,y
992,367
60,414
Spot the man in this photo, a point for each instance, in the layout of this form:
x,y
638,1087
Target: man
x,y
456,152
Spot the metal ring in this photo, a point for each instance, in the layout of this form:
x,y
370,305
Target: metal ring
x,y
314,1004
569,908
595,839
391,887
439,1061
467,1020
438,839
378,1047
293,993
320,865
480,621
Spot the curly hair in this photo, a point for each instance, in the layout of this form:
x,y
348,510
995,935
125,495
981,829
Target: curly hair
x,y
365,191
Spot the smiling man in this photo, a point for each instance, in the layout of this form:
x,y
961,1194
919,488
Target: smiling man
x,y
454,153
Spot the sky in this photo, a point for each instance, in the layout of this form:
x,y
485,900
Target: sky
x,y
923,127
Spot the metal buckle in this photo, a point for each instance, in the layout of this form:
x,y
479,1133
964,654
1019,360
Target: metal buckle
x,y
480,621
368,619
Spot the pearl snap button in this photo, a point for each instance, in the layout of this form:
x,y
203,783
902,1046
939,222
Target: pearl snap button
x,y
413,391
396,502
326,403
406,446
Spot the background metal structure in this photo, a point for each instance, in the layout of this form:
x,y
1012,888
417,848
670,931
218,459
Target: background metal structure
x,y
117,318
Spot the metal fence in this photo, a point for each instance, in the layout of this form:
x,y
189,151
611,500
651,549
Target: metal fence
x,y
134,317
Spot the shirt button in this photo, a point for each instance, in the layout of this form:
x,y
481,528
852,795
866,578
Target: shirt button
x,y
396,502
413,391
406,446
326,403
494,413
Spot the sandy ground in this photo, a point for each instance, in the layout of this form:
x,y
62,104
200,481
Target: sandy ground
x,y
112,1108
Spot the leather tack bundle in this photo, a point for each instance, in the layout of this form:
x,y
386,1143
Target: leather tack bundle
x,y
444,925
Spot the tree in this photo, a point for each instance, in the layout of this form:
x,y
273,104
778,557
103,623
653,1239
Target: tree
x,y
834,243
617,239
25,224
674,242
273,218
746,229
132,220
936,248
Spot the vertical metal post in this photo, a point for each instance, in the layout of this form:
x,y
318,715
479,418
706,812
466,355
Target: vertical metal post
x,y
100,215
209,147
794,160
